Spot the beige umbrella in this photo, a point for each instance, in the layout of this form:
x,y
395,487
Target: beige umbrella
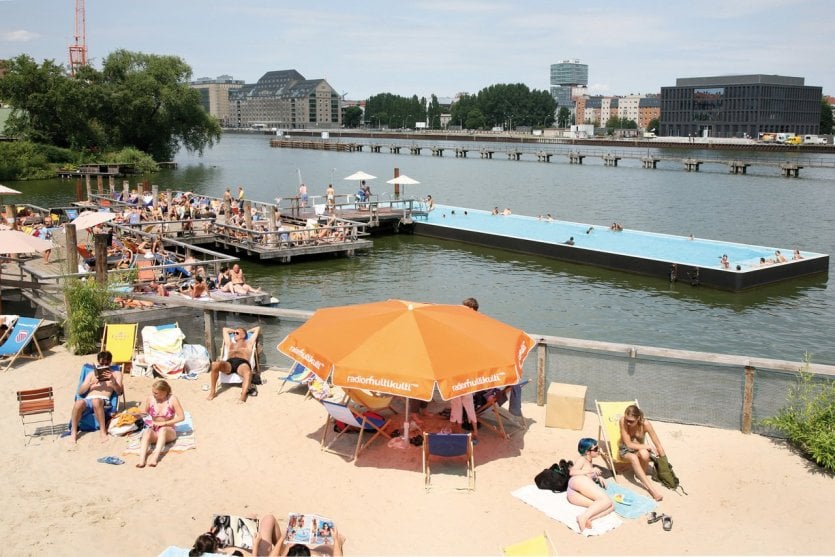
x,y
403,180
14,241
89,219
4,190
360,175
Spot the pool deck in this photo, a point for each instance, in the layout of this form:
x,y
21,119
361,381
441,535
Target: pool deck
x,y
675,258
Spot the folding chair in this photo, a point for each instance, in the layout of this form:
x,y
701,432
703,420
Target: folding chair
x,y
494,403
365,400
88,421
364,423
120,340
35,402
448,445
540,545
609,415
234,378
145,272
298,374
19,338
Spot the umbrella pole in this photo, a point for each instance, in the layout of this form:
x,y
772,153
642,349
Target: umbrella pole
x,y
406,422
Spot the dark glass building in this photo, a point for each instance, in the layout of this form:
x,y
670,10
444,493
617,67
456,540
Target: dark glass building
x,y
740,106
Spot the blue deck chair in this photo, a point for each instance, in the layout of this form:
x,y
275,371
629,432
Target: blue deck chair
x,y
88,421
448,445
298,374
349,419
494,406
22,334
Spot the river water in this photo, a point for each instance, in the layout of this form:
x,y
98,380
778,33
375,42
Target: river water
x,y
542,296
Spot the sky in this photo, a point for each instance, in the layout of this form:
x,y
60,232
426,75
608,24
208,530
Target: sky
x,y
444,47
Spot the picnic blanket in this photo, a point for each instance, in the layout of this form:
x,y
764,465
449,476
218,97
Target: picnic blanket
x,y
556,506
185,439
633,505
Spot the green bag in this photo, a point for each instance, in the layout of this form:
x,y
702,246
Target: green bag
x,y
664,471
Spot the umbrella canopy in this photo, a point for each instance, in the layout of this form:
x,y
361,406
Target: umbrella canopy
x,y
89,219
7,191
360,175
14,241
409,348
403,180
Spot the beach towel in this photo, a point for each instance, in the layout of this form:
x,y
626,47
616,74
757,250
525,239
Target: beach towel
x,y
633,505
185,439
174,551
556,506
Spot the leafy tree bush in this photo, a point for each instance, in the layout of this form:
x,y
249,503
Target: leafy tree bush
x,y
23,160
85,300
143,162
809,418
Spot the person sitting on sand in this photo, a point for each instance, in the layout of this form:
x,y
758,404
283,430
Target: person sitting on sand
x,y
586,485
238,350
96,390
162,411
634,448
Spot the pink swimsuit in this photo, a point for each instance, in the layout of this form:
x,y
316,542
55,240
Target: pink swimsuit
x,y
152,413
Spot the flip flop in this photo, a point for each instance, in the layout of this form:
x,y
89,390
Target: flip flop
x,y
110,460
667,522
653,517
253,391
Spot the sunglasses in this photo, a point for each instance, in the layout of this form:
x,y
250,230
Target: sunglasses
x,y
631,422
594,449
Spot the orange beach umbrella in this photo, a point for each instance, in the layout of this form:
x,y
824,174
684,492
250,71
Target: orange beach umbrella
x,y
408,348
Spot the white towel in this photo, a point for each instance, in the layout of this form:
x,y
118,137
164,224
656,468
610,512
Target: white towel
x,y
556,506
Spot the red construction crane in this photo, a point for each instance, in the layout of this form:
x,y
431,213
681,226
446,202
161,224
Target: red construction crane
x,y
78,51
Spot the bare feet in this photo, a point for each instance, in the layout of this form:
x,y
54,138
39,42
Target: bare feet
x,y
583,522
242,400
211,396
152,462
140,464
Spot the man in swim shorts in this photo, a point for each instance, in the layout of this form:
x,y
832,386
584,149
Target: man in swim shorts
x,y
96,389
239,348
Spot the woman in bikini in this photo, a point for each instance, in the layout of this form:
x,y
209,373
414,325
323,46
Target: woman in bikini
x,y
585,486
162,412
634,448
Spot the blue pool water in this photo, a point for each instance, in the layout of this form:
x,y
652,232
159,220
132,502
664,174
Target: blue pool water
x,y
698,252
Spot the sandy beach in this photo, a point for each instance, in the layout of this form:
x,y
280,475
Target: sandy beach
x,y
747,494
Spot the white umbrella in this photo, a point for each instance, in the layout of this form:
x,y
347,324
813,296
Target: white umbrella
x,y
360,175
89,219
7,191
403,180
14,241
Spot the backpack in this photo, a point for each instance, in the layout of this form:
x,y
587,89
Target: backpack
x,y
664,472
554,478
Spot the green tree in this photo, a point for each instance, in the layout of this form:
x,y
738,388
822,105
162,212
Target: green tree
x,y
826,117
475,120
563,117
352,117
433,114
136,100
654,125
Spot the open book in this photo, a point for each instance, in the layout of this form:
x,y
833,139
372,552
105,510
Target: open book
x,y
234,531
309,529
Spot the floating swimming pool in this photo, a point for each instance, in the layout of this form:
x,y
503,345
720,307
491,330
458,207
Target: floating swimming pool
x,y
677,258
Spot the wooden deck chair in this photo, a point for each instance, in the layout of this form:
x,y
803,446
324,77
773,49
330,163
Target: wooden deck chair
x,y
36,402
494,406
540,545
448,445
364,423
84,252
366,400
234,378
609,415
144,270
298,374
88,421
19,338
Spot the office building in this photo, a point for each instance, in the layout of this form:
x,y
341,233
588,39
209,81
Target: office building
x,y
286,100
740,106
214,96
568,78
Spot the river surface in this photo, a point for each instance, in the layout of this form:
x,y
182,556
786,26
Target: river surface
x,y
542,296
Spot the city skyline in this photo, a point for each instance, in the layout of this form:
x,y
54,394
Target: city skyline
x,y
432,47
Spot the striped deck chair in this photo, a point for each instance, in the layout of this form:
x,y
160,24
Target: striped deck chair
x,y
120,340
298,374
349,419
19,338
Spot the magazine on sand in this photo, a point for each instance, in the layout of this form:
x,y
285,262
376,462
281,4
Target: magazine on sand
x,y
234,531
309,529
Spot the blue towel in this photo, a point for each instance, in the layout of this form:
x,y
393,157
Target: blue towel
x,y
637,506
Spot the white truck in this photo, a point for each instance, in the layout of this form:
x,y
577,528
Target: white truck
x,y
814,140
